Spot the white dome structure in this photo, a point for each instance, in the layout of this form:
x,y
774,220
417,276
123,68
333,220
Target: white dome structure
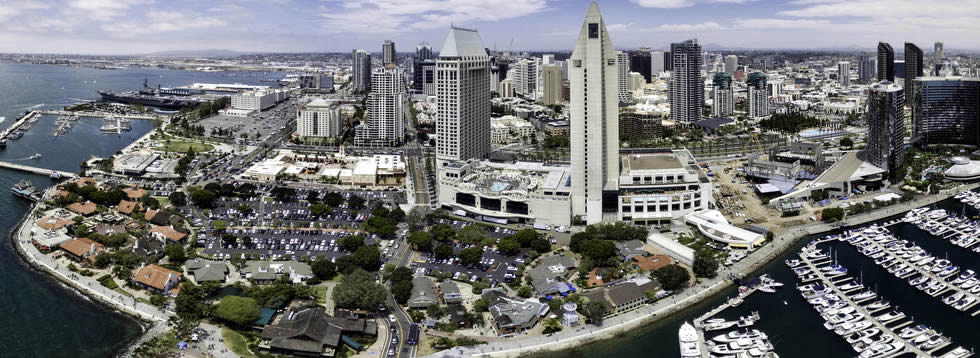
x,y
963,169
570,317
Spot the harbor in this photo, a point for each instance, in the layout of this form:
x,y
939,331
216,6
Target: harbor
x,y
853,311
54,174
737,337
22,124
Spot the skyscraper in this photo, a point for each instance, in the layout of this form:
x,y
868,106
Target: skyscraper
x,y
623,66
686,86
723,94
886,62
947,111
526,78
424,77
388,53
844,74
939,57
423,51
462,97
913,67
640,62
731,64
552,84
385,124
361,70
866,68
593,74
886,126
758,95
657,65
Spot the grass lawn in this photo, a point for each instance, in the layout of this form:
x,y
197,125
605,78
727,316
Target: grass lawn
x,y
321,294
123,292
164,201
236,342
182,147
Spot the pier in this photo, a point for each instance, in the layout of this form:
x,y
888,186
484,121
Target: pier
x,y
36,170
699,322
98,114
20,122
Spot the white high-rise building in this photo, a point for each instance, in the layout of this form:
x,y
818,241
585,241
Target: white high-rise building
x,y
506,88
623,63
547,59
731,64
526,78
551,84
318,119
361,70
385,125
723,95
844,73
462,97
593,76
657,65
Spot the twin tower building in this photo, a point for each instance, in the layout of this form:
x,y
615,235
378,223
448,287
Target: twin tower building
x,y
590,189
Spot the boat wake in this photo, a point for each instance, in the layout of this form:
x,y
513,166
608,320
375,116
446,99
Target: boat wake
x,y
36,106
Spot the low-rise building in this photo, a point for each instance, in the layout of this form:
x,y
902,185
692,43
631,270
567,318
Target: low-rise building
x,y
629,249
84,209
660,186
319,119
258,100
509,129
548,277
158,279
82,250
450,292
521,192
626,295
423,293
306,330
512,316
167,233
207,270
262,272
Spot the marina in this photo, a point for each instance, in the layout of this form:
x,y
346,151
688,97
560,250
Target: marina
x,y
737,338
22,124
931,275
855,314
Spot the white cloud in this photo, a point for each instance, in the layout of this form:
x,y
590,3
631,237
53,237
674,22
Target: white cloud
x,y
704,26
104,10
664,4
381,16
162,21
789,24
9,10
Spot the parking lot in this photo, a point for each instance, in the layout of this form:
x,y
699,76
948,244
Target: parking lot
x,y
258,126
493,266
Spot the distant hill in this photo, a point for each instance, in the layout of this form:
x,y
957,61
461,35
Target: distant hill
x,y
196,53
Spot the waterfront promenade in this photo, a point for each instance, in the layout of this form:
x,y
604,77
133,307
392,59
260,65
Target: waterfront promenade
x,y
88,286
613,326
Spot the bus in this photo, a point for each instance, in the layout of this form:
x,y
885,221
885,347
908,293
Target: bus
x,y
413,334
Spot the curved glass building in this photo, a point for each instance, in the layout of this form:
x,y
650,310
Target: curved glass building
x,y
947,111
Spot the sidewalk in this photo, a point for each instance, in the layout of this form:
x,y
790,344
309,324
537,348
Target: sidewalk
x,y
613,326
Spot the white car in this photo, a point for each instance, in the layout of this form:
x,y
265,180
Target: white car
x,y
391,318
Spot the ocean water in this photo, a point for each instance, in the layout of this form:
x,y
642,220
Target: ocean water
x,y
40,316
793,326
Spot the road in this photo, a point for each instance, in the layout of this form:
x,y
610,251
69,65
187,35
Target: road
x,y
416,158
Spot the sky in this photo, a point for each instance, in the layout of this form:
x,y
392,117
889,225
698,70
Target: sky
x,y
147,26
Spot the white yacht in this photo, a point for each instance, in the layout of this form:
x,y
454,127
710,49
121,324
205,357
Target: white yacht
x,y
688,337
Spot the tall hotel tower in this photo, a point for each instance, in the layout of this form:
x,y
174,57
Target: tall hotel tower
x,y
462,97
593,76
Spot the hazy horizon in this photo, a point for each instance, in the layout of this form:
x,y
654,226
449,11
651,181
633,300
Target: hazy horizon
x,y
137,27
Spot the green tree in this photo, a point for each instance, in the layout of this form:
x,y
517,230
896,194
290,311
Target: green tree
x,y
355,202
473,234
847,142
320,209
333,199
419,239
470,256
525,237
443,232
832,214
481,305
594,311
525,291
401,274
381,226
443,251
175,252
704,265
672,277
203,198
508,246
368,257
541,246
323,268
357,290
402,291
598,250
237,310
351,243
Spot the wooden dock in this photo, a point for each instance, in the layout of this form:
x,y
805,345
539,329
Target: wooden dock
x,y
99,114
36,170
